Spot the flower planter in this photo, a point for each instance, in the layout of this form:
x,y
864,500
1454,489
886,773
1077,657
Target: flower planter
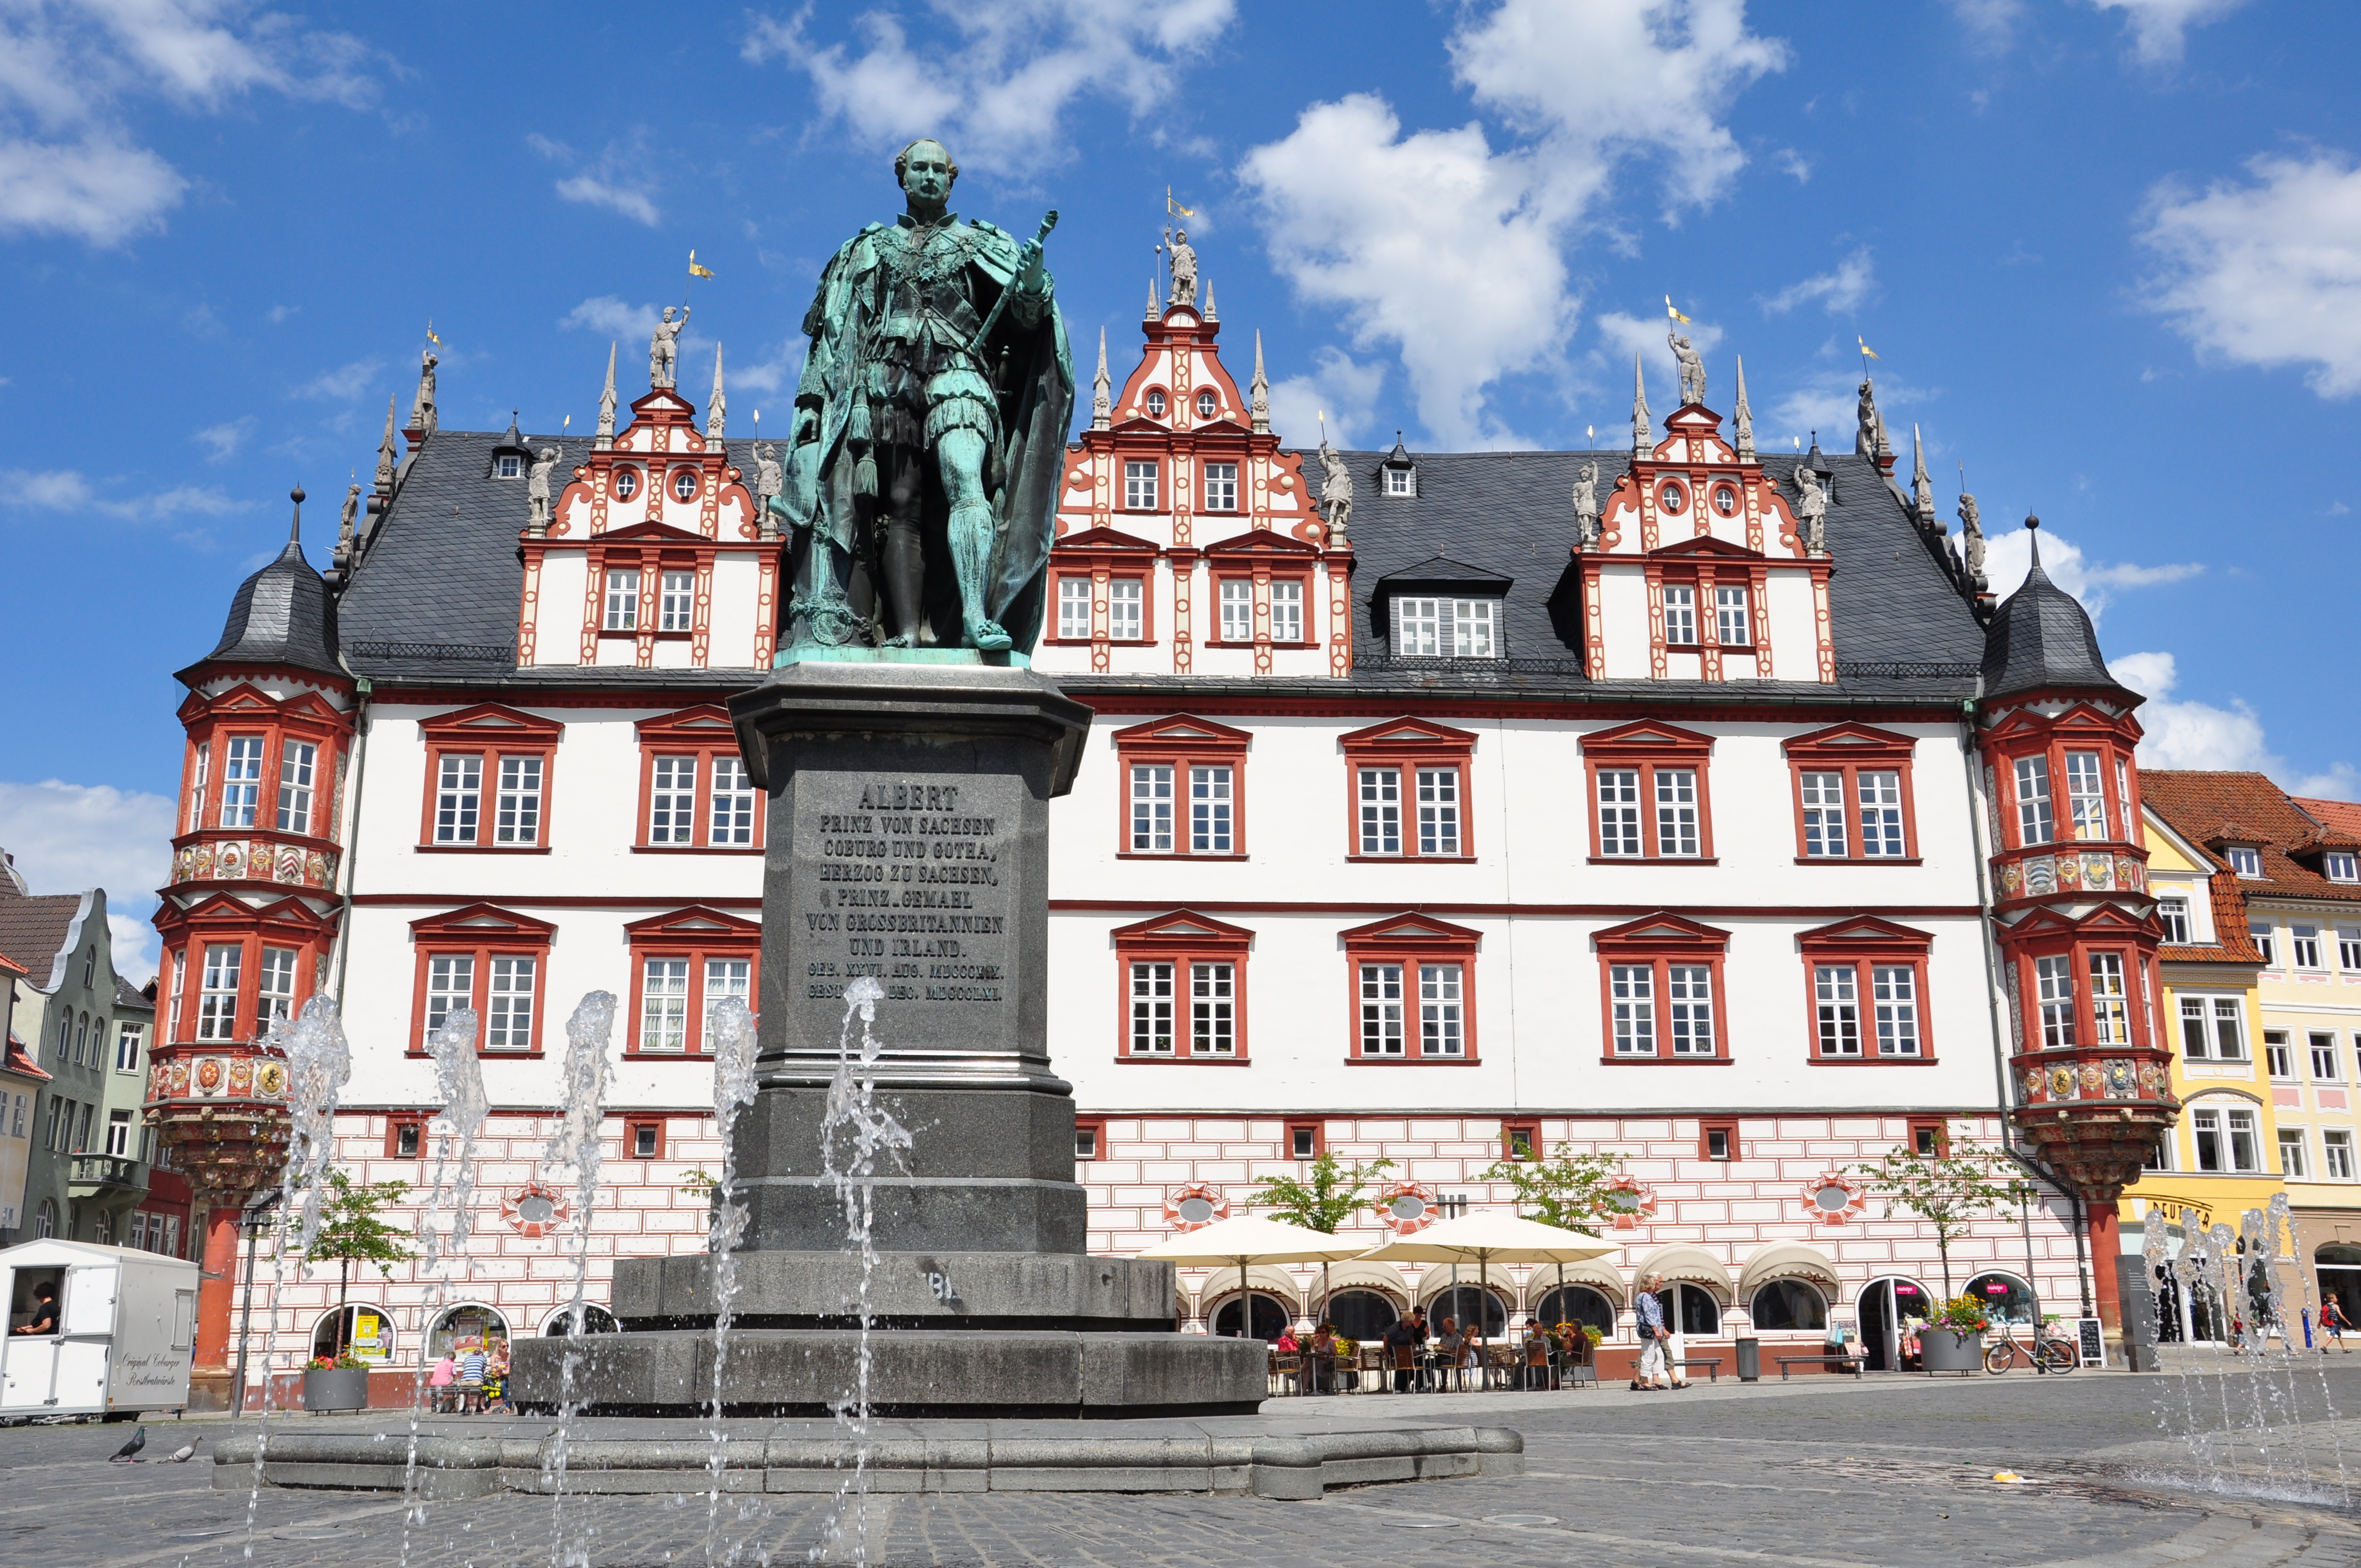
x,y
343,1389
1951,1350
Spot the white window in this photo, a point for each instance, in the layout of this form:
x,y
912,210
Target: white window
x,y
458,797
1238,609
1824,816
1730,624
1152,1010
1632,998
2207,1124
2260,930
1155,403
1880,814
664,1005
1680,614
1210,804
733,804
296,762
1126,609
197,787
2348,948
1151,809
1381,811
2324,1064
623,600
2110,1014
2035,822
2341,865
2246,1148
676,600
2054,977
2292,1162
1286,612
1212,1010
2210,1026
1619,811
2246,862
2277,1053
1074,609
1458,628
507,1009
2086,798
2173,914
2336,1150
1438,811
2124,793
276,985
2305,941
1206,404
1139,486
683,484
1688,1008
217,1003
1398,481
508,466
671,801
516,810
118,1133
450,986
1677,811
1381,1010
1441,1023
1897,995
127,1047
1836,992
725,979
241,781
1221,487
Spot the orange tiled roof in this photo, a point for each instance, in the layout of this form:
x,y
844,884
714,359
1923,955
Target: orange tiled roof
x,y
19,1060
2217,808
2343,815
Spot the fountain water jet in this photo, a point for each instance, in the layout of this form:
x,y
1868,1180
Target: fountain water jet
x,y
574,1144
734,1087
459,1084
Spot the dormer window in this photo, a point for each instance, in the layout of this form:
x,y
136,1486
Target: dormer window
x,y
1155,404
2246,862
2341,865
1398,482
1447,628
1397,475
508,466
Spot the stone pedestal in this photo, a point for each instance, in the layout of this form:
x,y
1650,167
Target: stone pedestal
x,y
909,843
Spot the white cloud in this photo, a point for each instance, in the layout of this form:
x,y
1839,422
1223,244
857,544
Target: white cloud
x,y
65,490
2009,557
1452,253
1837,292
769,374
342,384
94,190
226,437
69,838
1340,390
1989,22
591,190
1626,335
1795,164
995,80
610,315
2200,735
2267,273
622,179
1828,401
2159,27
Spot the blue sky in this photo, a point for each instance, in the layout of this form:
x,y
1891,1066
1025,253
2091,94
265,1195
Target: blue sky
x,y
2109,252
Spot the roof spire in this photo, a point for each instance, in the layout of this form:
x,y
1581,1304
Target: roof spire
x,y
295,529
1101,410
1258,392
1154,310
606,436
1211,313
714,409
387,456
1922,489
1641,443
1745,417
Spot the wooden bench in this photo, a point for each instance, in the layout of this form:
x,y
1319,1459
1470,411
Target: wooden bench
x,y
1844,1362
1712,1365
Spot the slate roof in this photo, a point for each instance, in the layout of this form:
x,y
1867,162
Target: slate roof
x,y
2217,808
129,998
2041,636
33,930
281,615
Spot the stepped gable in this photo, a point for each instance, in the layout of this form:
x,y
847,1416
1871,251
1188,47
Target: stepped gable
x,y
1895,605
282,615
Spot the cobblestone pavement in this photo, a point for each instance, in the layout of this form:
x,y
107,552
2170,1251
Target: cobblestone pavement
x,y
1823,1472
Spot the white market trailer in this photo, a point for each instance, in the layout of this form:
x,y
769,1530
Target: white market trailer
x,y
125,1324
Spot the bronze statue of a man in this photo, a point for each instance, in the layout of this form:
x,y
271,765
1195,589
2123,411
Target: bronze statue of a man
x,y
929,431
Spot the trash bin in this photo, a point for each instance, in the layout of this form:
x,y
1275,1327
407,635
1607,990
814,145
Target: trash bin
x,y
1749,1360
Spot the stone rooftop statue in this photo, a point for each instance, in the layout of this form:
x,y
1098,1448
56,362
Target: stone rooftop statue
x,y
663,349
1692,366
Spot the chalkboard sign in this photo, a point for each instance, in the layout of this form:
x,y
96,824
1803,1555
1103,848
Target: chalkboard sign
x,y
2090,1341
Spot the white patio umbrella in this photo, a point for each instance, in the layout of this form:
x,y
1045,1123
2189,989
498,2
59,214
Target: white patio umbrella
x,y
1490,1236
1245,1239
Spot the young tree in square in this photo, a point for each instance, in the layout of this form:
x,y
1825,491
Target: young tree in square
x,y
1962,1183
1570,1191
351,1231
1321,1203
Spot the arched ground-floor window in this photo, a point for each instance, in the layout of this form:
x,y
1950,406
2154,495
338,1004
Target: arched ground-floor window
x,y
364,1331
1271,1317
466,1327
1579,1304
2006,1298
1362,1314
596,1319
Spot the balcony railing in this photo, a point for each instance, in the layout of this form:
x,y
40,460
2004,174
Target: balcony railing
x,y
104,1174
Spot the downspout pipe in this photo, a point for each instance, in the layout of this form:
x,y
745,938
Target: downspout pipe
x,y
353,834
1989,927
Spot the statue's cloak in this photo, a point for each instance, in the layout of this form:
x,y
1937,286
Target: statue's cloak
x,y
1035,402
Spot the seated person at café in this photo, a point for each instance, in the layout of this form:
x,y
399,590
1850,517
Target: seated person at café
x,y
1405,1336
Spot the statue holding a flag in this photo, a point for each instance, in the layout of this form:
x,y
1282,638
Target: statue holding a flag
x,y
1692,362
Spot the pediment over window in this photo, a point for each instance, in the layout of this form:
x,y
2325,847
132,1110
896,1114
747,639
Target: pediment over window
x,y
706,724
694,922
1662,930
1408,733
1850,739
1645,735
1864,929
651,533
1103,539
1411,929
483,921
1183,729
489,721
1184,927
1262,542
1706,546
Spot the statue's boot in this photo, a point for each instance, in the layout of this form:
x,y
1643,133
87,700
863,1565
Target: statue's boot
x,y
970,542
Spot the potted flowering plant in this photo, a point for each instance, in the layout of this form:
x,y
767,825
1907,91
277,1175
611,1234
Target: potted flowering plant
x,y
338,1382
1954,1342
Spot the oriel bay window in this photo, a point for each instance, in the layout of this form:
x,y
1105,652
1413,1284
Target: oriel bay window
x,y
1407,790
1853,795
488,958
694,791
1661,985
1181,990
685,964
488,776
1650,796
1866,993
1412,985
1183,779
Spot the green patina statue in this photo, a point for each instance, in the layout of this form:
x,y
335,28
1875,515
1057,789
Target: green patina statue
x,y
929,431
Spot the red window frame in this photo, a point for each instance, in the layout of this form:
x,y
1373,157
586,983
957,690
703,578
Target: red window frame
x,y
2047,934
1183,939
1411,940
1319,1130
1661,941
1180,742
705,733
1123,460
631,1125
221,920
1407,745
2079,728
245,710
1100,555
1096,1127
1701,580
1728,1127
1939,1125
482,932
490,731
1258,578
394,1125
1528,1128
1863,944
1851,749
697,934
1646,745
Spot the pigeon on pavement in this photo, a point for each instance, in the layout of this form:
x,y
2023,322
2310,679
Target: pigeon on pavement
x,y
183,1454
128,1452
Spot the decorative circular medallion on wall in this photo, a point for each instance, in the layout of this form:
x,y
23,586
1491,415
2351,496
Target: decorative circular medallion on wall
x,y
1195,1206
210,1073
241,1075
270,1079
1407,1206
627,483
533,1211
1834,1197
2061,1082
1633,1201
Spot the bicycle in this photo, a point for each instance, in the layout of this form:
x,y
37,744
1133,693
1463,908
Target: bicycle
x,y
2049,1353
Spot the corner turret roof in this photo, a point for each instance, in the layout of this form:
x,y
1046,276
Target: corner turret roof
x,y
282,615
2041,636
